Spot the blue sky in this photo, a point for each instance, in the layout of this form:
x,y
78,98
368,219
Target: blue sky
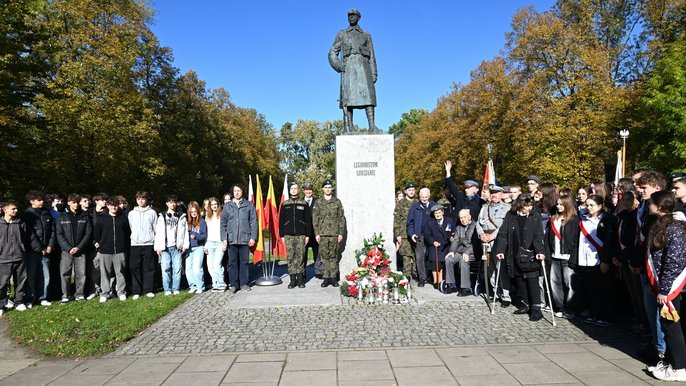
x,y
272,55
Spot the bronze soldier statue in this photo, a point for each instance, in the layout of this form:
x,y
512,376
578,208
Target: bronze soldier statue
x,y
352,55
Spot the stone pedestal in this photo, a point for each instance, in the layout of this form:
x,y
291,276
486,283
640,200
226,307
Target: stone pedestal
x,y
365,184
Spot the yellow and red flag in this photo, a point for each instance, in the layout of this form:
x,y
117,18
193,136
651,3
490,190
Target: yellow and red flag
x,y
278,246
258,249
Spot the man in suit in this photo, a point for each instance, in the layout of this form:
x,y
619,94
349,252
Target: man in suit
x,y
310,199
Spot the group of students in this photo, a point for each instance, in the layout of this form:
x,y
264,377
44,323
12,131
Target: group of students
x,y
110,250
591,250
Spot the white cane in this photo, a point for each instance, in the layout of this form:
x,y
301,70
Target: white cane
x,y
495,286
547,289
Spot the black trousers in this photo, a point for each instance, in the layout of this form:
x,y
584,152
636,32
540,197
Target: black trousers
x,y
142,266
528,289
674,337
594,289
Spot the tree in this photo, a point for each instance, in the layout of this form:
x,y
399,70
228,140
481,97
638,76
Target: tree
x,y
308,150
411,118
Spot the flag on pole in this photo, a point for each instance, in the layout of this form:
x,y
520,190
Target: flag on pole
x,y
489,175
272,213
258,249
251,196
619,169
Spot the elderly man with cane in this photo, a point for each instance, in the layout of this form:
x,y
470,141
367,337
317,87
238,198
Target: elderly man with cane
x,y
488,223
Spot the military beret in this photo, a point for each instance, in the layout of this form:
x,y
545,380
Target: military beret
x,y
292,184
506,189
473,183
534,178
437,207
409,185
495,188
327,182
308,185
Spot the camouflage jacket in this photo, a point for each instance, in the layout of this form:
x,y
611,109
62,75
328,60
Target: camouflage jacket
x,y
328,218
402,210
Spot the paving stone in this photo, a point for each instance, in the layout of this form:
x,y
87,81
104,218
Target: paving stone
x,y
352,371
581,362
311,361
473,366
609,378
424,376
487,380
461,352
414,358
537,373
318,377
362,355
145,371
210,378
255,372
606,352
515,354
71,379
40,374
110,366
11,366
558,348
280,357
203,363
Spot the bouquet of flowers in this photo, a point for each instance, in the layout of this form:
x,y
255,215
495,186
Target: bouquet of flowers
x,y
373,272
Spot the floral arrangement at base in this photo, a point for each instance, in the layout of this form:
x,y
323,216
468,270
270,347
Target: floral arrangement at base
x,y
373,278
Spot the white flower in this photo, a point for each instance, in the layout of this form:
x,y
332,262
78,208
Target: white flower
x,y
365,282
390,280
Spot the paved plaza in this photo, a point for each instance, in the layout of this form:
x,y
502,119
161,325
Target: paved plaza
x,y
312,336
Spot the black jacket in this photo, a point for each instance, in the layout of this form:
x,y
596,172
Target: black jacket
x,y
295,218
112,233
569,245
462,201
626,228
441,233
14,240
508,241
638,256
42,225
74,230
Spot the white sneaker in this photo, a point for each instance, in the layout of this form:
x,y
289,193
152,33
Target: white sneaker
x,y
65,300
150,295
91,296
103,299
122,297
2,312
176,293
659,365
45,303
167,293
80,298
10,304
135,297
558,314
20,307
667,373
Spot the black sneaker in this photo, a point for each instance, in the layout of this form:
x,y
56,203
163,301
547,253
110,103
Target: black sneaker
x,y
504,303
465,292
421,283
521,311
536,315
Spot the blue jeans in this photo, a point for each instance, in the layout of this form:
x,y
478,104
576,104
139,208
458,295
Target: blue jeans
x,y
238,265
194,272
38,276
215,254
171,269
650,303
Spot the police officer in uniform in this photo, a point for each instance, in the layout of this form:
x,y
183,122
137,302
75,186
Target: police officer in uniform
x,y
489,221
329,227
402,244
295,225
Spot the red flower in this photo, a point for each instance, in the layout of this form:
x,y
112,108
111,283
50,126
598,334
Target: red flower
x,y
352,291
385,262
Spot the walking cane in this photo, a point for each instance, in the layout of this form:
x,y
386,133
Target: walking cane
x,y
547,288
484,258
495,287
438,286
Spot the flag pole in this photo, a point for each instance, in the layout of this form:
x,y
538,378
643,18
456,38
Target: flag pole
x,y
268,278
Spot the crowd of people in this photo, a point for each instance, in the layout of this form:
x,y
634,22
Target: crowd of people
x,y
601,252
105,250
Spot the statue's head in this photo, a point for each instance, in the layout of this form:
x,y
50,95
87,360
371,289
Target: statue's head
x,y
354,16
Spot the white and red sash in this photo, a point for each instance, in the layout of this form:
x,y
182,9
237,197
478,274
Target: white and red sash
x,y
668,311
597,244
555,230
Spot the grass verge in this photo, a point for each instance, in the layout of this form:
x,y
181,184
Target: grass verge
x,y
87,328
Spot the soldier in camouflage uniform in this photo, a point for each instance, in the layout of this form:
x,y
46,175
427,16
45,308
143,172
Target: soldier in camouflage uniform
x,y
295,225
329,226
402,244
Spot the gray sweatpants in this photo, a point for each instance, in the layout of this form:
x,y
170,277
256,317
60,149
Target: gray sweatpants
x,y
450,262
78,263
112,266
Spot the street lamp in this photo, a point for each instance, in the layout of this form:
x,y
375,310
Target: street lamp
x,y
624,134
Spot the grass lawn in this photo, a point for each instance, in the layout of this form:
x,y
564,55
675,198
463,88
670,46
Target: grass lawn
x,y
87,328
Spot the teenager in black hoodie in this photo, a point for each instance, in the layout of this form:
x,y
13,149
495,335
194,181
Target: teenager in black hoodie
x,y
42,225
112,237
74,232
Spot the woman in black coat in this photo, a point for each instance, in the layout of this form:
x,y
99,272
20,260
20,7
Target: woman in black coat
x,y
437,233
520,244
